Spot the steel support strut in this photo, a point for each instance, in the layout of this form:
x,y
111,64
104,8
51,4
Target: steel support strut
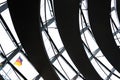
x,y
67,19
25,15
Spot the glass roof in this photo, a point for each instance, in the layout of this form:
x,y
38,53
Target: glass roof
x,y
14,64
99,61
54,46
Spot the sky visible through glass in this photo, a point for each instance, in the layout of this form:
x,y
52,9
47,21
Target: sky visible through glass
x,y
20,62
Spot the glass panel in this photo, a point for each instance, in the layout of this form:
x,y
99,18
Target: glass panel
x,y
53,44
13,63
100,63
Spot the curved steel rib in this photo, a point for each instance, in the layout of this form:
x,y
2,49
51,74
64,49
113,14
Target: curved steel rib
x,y
99,15
118,8
67,19
25,16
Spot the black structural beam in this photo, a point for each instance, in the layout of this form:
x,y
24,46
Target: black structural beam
x,y
99,15
25,15
67,19
118,8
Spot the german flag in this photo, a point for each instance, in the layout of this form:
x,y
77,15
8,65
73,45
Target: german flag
x,y
18,62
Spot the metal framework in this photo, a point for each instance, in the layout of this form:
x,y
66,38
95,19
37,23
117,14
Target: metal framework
x,y
33,25
12,53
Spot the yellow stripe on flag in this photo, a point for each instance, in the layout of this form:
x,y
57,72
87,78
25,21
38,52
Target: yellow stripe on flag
x,y
18,62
